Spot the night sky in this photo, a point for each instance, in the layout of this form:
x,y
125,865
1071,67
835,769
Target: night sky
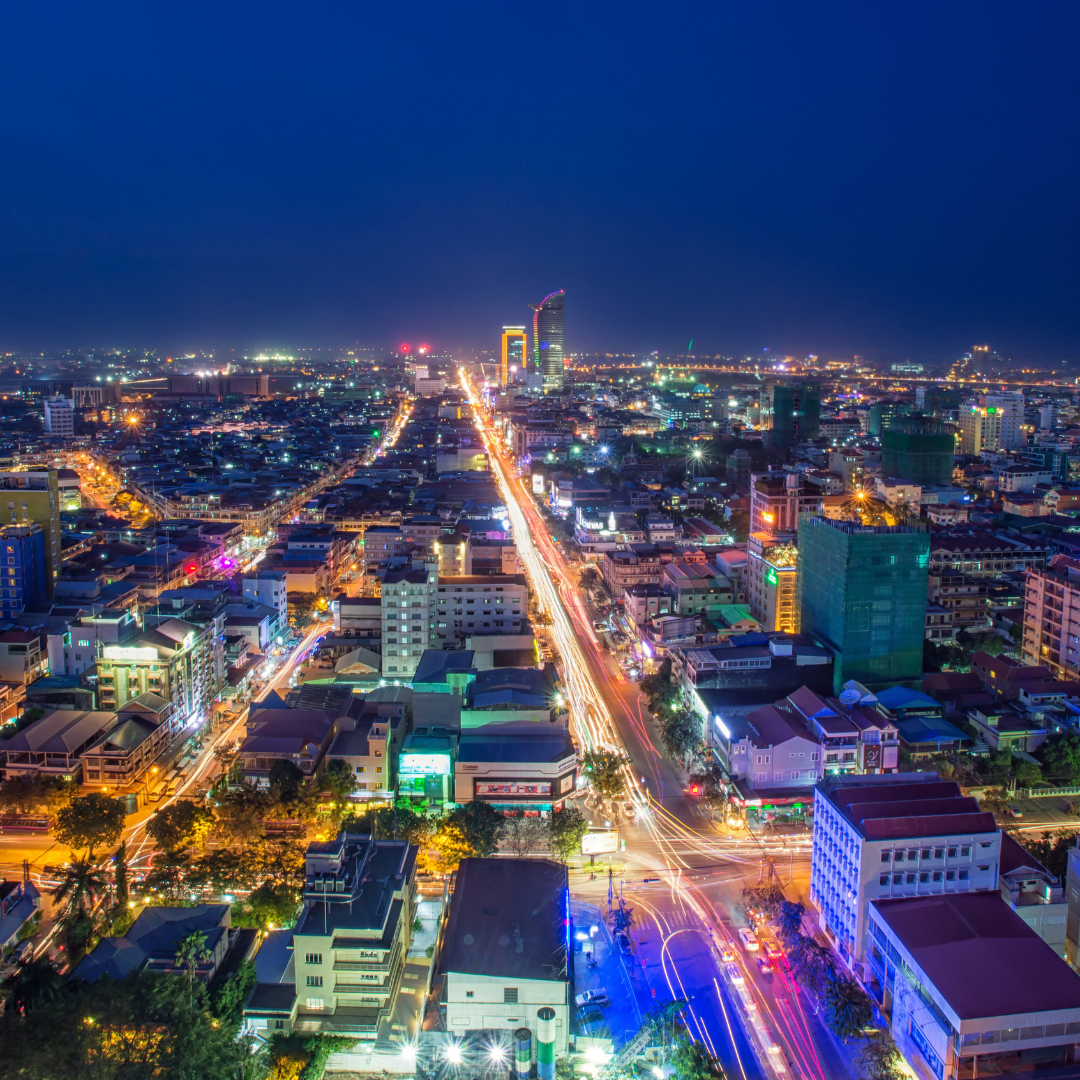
x,y
889,179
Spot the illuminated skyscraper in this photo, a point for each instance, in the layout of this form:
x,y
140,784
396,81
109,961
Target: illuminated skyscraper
x,y
514,349
548,339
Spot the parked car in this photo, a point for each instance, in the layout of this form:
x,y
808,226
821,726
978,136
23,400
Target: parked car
x,y
591,1020
593,997
624,944
1016,811
749,940
773,950
734,974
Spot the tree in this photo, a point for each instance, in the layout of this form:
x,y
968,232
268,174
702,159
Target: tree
x,y
34,984
180,825
191,951
339,780
622,918
882,1061
1052,850
451,845
681,733
1061,755
149,1024
847,1008
269,907
81,887
30,795
690,1060
604,770
524,835
659,689
481,825
285,780
120,878
589,577
167,879
566,829
228,993
788,922
88,821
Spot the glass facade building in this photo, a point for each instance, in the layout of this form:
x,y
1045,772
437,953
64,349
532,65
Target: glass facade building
x,y
22,573
919,451
791,413
862,592
548,318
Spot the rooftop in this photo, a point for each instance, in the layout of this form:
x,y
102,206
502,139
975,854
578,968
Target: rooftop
x,y
507,918
980,956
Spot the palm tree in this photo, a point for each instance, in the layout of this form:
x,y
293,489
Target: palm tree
x,y
191,951
36,982
82,885
789,922
622,918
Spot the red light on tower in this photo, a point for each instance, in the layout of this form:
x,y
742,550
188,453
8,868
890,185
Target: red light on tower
x,y
404,348
422,350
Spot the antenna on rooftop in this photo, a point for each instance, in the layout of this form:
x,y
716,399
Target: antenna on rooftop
x,y
850,697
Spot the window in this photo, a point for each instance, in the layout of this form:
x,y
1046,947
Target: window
x,y
886,856
987,867
314,980
926,853
279,1025
899,856
814,756
910,879
314,1004
313,958
778,776
883,879
468,993
510,995
924,877
84,643
965,851
952,852
964,875
937,875
939,853
898,879
913,855
950,875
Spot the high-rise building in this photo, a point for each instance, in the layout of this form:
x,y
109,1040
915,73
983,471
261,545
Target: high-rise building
x,y
59,417
776,502
992,422
920,451
791,412
885,414
35,496
862,591
408,609
1051,612
548,339
22,573
514,350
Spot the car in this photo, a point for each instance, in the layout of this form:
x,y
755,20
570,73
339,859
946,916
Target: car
x,y
727,954
624,944
773,950
734,974
749,940
592,1018
593,997
628,810
764,966
1016,811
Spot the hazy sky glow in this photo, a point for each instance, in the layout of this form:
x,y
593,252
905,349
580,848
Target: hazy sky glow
x,y
895,178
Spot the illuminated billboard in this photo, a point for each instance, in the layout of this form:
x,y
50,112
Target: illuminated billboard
x,y
598,841
121,652
425,764
538,483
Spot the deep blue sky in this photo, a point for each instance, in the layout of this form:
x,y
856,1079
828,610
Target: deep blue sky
x,y
894,179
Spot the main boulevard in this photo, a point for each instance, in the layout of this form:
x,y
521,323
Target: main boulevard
x,y
683,873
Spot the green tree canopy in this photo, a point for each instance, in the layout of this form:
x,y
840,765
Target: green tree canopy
x,y
604,770
180,825
566,829
1061,755
269,907
481,826
339,780
89,821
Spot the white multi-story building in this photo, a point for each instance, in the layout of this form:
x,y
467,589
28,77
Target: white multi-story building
x,y
894,835
270,587
408,625
992,422
59,417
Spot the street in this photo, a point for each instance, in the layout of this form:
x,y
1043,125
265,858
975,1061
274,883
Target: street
x,y
764,1026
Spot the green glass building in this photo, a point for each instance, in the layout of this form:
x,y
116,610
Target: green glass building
x,y
919,451
791,412
862,592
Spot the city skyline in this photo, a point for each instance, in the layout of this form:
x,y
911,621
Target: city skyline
x,y
804,183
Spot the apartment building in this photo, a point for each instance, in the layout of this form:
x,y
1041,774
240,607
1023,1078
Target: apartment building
x,y
1052,617
35,496
894,835
269,587
349,944
479,604
640,566
409,619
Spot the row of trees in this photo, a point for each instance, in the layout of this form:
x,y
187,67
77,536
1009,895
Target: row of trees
x,y
845,1005
681,729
